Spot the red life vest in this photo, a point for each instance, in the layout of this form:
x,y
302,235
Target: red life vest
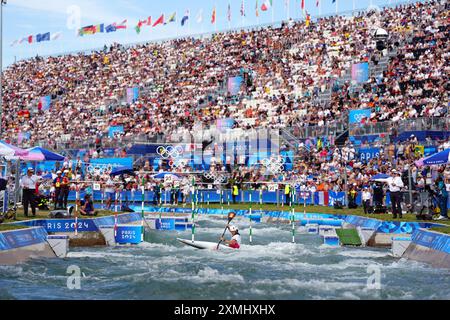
x,y
234,245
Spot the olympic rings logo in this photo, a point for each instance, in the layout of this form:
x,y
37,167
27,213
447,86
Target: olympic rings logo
x,y
217,177
358,117
169,151
273,165
97,169
177,164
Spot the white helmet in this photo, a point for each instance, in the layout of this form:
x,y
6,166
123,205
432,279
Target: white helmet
x,y
233,228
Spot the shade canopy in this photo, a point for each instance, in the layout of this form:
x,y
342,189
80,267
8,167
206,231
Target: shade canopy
x,y
45,154
162,175
117,171
8,150
442,157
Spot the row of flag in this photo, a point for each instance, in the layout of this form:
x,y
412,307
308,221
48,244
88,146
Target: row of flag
x,y
113,27
100,28
37,38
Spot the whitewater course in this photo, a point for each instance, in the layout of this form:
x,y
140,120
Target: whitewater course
x,y
283,256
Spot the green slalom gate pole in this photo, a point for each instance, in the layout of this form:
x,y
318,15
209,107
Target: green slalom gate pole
x,y
260,203
193,210
250,216
293,215
142,207
221,200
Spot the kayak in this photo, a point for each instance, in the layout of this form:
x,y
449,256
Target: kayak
x,y
204,245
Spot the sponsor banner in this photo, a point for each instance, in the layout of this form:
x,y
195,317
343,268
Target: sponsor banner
x,y
128,234
63,225
402,227
356,116
366,154
234,85
22,238
360,72
336,196
432,240
114,130
165,224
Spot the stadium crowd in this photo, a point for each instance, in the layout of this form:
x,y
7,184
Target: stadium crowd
x,y
294,76
286,69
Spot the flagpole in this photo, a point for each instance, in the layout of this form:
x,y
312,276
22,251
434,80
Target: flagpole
x,y
189,22
337,6
215,20
287,8
354,6
320,8
242,14
273,19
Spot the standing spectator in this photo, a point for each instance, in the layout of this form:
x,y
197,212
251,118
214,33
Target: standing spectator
x,y
395,184
28,184
442,198
366,199
378,195
110,193
65,188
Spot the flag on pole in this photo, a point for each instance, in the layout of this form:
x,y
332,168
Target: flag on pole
x,y
159,21
256,9
91,29
213,17
44,103
317,3
31,39
172,18
229,12
242,8
303,6
266,5
123,24
185,17
137,28
199,17
43,37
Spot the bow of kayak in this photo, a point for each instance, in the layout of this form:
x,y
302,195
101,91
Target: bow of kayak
x,y
204,245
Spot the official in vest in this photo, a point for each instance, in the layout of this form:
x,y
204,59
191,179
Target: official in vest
x,y
287,194
57,184
235,192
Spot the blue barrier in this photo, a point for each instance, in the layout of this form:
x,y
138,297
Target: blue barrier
x,y
128,234
84,225
22,238
432,240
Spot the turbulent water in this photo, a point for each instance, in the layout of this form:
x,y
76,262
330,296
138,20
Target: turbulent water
x,y
270,268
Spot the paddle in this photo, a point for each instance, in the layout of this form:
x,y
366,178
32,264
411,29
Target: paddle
x,y
231,215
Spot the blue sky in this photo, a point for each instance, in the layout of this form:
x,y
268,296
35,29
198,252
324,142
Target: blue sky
x,y
30,17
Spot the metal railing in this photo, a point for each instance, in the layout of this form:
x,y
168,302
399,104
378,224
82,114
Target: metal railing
x,y
416,124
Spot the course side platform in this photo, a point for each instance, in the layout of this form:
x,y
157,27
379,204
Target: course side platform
x,y
17,246
430,247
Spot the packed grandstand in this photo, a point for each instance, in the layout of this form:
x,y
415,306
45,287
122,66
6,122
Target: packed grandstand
x,y
297,81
